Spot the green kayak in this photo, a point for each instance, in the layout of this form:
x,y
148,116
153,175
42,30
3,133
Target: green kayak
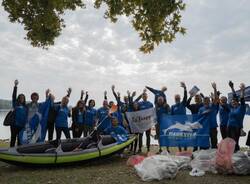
x,y
66,152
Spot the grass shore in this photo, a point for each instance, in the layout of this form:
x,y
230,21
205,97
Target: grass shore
x,y
108,171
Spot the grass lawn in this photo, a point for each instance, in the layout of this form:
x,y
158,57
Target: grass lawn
x,y
108,171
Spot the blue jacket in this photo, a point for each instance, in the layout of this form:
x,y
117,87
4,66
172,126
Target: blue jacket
x,y
224,114
212,111
90,116
20,111
62,116
180,108
237,114
145,105
102,115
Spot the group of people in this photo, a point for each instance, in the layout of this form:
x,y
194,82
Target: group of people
x,y
86,117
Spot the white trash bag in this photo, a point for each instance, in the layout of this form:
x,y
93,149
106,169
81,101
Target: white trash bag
x,y
157,167
204,160
241,163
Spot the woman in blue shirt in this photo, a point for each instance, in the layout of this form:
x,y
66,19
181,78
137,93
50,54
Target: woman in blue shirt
x,y
61,122
20,115
236,116
90,118
78,119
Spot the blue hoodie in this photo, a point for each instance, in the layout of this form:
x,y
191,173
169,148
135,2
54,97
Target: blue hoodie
x,y
157,94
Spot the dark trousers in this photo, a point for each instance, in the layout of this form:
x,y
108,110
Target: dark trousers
x,y
59,131
223,131
50,129
14,130
213,137
77,130
148,132
234,133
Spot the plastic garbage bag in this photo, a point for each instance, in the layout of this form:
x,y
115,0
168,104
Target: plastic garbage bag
x,y
134,160
224,156
196,172
241,163
157,167
204,160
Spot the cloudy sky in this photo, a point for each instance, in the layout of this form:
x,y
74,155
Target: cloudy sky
x,y
93,54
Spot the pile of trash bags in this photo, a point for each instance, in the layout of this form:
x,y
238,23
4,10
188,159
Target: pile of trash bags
x,y
222,161
157,167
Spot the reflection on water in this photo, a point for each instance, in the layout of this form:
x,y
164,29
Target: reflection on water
x,y
5,131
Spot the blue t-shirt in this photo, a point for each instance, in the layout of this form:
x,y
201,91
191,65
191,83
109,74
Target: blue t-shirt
x,y
102,115
178,109
62,117
145,105
90,116
80,117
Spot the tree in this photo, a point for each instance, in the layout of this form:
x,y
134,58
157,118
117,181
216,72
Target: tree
x,y
156,21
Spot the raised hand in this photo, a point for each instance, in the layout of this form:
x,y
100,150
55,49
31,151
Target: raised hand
x,y
113,87
105,93
213,85
16,82
47,92
231,84
87,92
134,93
144,90
183,85
69,91
118,94
82,92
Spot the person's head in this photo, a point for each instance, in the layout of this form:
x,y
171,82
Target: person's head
x,y
34,97
111,103
114,121
160,101
80,104
105,103
206,101
197,99
135,106
91,103
21,99
125,98
164,88
177,98
145,96
223,100
65,101
235,102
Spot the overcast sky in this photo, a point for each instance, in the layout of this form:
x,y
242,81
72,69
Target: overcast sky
x,y
93,54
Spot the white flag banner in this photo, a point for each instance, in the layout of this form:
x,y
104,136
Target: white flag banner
x,y
140,121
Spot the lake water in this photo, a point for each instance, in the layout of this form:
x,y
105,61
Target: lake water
x,y
5,131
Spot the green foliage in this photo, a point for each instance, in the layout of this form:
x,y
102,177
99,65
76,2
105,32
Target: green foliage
x,y
156,21
40,18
